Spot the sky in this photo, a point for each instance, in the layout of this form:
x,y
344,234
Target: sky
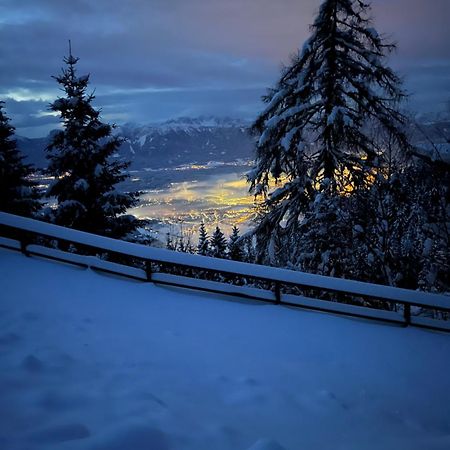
x,y
153,60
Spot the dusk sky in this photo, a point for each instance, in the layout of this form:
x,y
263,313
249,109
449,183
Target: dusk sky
x,y
151,60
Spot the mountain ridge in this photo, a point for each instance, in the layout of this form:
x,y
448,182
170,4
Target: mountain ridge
x,y
174,142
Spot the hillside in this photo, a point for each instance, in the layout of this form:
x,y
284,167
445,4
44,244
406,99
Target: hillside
x,y
96,362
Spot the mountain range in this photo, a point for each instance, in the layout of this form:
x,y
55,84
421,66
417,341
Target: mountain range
x,y
169,144
201,140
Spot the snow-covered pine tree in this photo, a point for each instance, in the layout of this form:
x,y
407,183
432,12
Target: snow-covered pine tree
x,y
249,250
407,228
80,160
319,118
169,242
203,241
18,194
325,236
218,244
234,246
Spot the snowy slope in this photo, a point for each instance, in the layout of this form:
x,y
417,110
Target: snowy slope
x,y
89,361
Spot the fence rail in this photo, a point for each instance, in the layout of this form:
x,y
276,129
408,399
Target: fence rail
x,y
162,266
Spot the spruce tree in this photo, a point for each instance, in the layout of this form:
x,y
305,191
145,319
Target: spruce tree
x,y
320,118
80,155
203,241
218,244
169,242
18,194
234,246
325,237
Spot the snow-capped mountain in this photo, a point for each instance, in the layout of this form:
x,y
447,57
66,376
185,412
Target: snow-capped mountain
x,y
168,144
186,140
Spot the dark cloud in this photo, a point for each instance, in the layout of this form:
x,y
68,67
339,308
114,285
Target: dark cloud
x,y
153,59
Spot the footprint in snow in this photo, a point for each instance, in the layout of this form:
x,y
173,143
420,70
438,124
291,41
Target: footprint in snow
x,y
248,381
56,402
9,339
147,396
32,364
243,390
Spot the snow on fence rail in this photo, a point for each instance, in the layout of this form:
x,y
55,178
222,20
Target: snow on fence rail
x,y
25,231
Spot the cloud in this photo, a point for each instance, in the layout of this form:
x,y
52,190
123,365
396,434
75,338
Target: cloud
x,y
158,58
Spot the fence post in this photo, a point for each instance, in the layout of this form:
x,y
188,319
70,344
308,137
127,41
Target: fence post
x,y
148,270
277,292
407,314
23,245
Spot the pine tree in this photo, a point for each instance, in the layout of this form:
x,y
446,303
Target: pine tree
x,y
234,246
203,241
169,242
81,161
319,120
18,194
181,245
218,244
325,236
249,250
406,228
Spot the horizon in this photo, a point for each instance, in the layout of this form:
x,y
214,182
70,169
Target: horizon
x,y
176,121
144,70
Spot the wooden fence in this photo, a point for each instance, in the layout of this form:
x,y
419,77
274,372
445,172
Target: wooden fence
x,y
268,284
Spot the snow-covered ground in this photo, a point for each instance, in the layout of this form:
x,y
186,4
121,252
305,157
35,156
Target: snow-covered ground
x,y
89,361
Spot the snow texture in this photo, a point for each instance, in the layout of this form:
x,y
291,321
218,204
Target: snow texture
x,y
93,362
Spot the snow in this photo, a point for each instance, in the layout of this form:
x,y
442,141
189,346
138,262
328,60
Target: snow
x,y
222,265
86,261
90,361
334,115
276,99
198,284
9,243
98,170
191,125
373,33
59,103
142,140
437,152
346,309
307,46
81,185
287,139
69,204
